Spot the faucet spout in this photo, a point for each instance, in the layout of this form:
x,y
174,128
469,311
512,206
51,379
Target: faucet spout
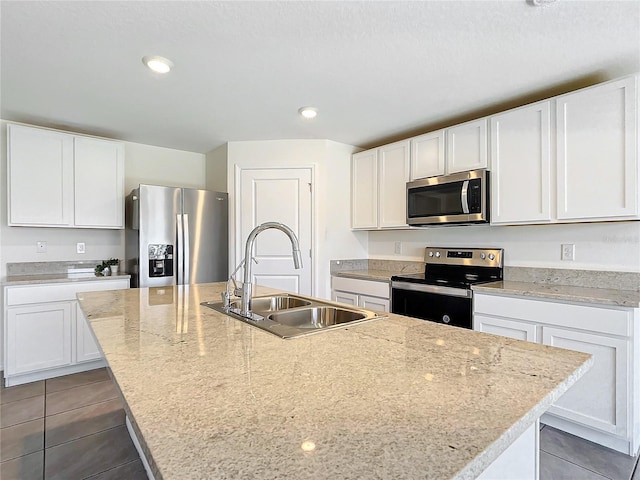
x,y
247,287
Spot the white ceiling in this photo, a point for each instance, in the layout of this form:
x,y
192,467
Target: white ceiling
x,y
375,70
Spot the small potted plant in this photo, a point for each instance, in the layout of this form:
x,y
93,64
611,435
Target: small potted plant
x,y
108,267
114,265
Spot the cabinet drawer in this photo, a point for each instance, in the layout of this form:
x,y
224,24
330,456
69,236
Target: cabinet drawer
x,y
609,320
20,295
364,287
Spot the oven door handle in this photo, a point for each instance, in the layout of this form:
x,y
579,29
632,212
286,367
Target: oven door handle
x,y
463,196
421,287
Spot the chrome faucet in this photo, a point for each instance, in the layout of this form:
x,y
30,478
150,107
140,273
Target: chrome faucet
x,y
247,287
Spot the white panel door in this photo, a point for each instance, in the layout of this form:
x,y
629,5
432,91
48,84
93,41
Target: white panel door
x,y
277,195
373,303
520,165
344,297
393,175
504,327
86,347
427,155
99,183
599,398
597,152
40,164
467,146
38,337
364,189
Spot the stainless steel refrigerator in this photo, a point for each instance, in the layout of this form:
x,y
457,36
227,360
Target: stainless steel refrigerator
x,y
176,236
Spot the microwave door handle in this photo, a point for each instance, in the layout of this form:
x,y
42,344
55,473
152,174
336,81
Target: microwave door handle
x,y
463,196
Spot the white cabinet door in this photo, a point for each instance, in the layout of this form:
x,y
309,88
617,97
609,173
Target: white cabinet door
x,y
99,183
520,165
344,297
373,303
393,175
40,177
505,327
467,146
600,398
427,155
38,337
86,347
364,189
597,135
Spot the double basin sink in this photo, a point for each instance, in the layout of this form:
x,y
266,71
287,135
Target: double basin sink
x,y
289,316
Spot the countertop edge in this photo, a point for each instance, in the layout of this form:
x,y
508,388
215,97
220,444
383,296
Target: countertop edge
x,y
567,293
57,278
493,451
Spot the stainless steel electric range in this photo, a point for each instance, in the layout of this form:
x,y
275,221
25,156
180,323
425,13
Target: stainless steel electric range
x,y
443,292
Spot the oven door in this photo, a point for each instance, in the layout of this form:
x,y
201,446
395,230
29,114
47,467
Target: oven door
x,y
430,302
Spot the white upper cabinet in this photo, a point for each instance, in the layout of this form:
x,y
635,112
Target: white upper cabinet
x,y
364,189
393,175
99,183
467,146
427,155
572,158
40,177
57,179
378,187
521,165
597,158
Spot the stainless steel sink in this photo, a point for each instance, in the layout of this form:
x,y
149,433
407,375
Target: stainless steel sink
x,y
317,317
274,303
289,316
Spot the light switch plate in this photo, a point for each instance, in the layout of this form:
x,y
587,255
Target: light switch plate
x,y
41,247
80,247
398,248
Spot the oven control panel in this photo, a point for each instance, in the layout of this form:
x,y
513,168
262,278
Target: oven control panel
x,y
481,257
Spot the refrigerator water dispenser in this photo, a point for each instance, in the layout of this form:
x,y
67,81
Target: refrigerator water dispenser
x,y
160,260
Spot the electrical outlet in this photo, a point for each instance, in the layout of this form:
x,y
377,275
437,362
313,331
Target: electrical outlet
x,y
41,247
568,251
80,247
398,248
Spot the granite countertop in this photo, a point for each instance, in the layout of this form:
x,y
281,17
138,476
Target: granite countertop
x,y
569,293
212,397
57,278
373,275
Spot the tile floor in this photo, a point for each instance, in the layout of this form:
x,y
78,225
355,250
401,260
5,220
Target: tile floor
x,y
72,427
66,428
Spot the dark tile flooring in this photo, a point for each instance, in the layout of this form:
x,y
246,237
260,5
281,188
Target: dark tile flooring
x,y
66,428
72,427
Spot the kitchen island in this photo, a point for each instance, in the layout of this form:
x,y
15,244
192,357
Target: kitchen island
x,y
211,397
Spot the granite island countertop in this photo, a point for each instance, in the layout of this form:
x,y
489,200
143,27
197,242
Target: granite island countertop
x,y
212,397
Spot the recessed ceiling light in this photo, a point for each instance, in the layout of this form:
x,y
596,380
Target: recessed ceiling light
x,y
158,64
308,112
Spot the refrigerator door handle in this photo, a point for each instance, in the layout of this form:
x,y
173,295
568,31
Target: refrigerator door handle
x,y
179,252
185,251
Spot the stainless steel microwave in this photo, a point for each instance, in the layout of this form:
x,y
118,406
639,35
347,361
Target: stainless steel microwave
x,y
449,199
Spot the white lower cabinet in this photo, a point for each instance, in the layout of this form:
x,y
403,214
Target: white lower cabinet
x,y
604,405
46,333
86,347
39,337
598,399
368,294
506,328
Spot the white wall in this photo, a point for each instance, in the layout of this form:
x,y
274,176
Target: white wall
x,y
599,246
143,164
332,163
216,161
162,166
